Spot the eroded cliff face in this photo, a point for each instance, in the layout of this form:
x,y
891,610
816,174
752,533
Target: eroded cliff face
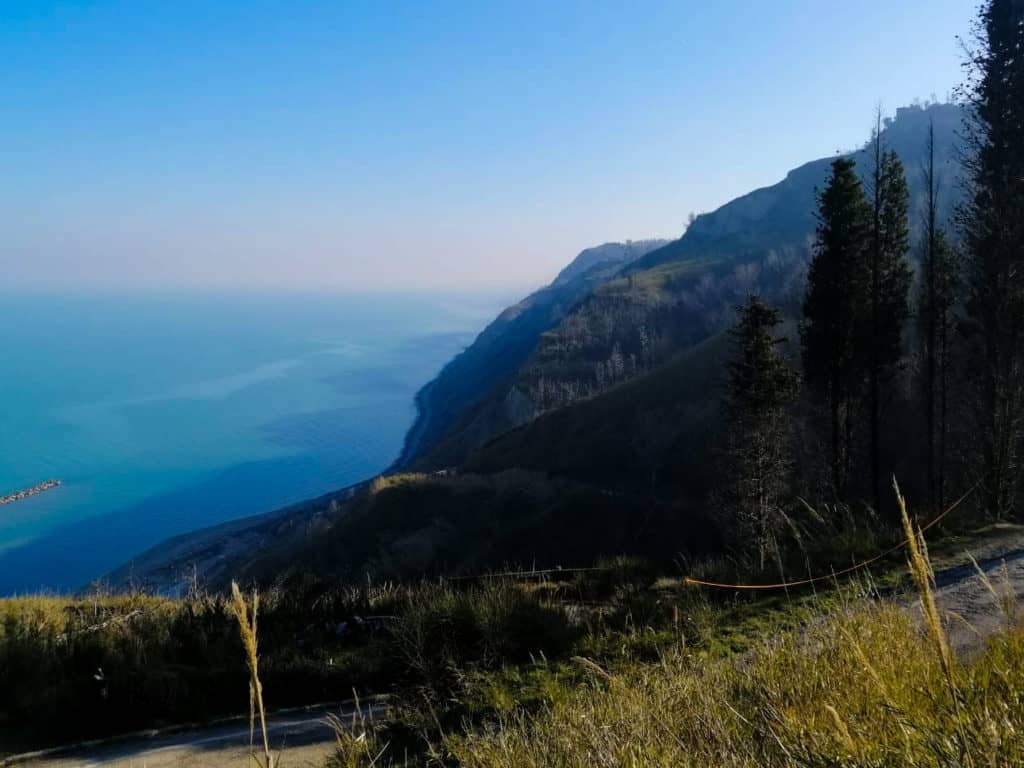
x,y
473,399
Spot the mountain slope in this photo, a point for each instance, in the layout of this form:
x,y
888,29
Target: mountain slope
x,y
593,329
651,431
465,405
686,291
784,213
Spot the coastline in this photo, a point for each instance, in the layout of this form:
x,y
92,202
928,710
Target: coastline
x,y
413,438
169,566
300,444
26,493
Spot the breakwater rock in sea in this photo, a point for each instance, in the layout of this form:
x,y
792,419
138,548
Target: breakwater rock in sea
x,y
24,494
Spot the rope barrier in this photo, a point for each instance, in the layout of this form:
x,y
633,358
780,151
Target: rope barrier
x,y
835,574
522,574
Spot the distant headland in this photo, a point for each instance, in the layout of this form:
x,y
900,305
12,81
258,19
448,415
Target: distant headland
x,y
24,494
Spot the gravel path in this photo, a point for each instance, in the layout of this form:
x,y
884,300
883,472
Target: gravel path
x,y
973,612
305,738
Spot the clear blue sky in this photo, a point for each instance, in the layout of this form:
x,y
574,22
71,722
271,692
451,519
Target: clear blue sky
x,y
418,145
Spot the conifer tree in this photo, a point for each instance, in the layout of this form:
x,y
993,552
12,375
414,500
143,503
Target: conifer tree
x,y
888,283
992,226
833,309
761,386
936,321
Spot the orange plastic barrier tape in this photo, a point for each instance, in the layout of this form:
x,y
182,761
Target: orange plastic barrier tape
x,y
834,574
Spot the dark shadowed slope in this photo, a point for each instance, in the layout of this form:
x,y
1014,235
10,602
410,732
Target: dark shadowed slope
x,y
451,420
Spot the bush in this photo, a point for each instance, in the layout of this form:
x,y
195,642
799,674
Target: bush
x,y
92,667
444,631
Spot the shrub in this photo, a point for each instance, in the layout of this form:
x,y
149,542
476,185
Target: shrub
x,y
443,631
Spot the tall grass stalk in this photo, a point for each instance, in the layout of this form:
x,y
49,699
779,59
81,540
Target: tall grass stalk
x,y
247,628
924,577
356,742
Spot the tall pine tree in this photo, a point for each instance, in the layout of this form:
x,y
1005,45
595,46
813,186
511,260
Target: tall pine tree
x,y
759,430
936,325
992,226
888,281
833,309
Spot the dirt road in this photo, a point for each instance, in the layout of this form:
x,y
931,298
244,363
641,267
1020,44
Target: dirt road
x,y
973,613
305,738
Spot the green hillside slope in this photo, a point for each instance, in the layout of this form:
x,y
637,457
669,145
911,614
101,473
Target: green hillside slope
x,y
469,401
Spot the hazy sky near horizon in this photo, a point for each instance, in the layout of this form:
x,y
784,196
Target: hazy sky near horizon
x,y
418,145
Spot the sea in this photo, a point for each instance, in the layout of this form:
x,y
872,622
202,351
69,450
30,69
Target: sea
x,y
162,414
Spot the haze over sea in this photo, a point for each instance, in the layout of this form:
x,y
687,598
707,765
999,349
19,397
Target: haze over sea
x,y
163,414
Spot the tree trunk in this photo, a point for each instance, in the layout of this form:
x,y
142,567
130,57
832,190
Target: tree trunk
x,y
876,290
932,312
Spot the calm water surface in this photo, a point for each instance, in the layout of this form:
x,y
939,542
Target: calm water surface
x,y
165,414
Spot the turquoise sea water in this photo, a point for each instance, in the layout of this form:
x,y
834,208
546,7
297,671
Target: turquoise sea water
x,y
166,414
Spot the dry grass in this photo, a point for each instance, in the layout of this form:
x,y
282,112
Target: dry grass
x,y
864,686
864,689
356,740
247,629
56,615
383,482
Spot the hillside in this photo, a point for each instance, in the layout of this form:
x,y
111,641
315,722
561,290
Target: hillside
x,y
643,434
610,318
781,215
470,400
623,473
686,291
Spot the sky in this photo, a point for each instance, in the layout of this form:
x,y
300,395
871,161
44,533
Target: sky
x,y
408,146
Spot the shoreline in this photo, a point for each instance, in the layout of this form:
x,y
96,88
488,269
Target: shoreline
x,y
167,567
26,493
413,437
162,568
